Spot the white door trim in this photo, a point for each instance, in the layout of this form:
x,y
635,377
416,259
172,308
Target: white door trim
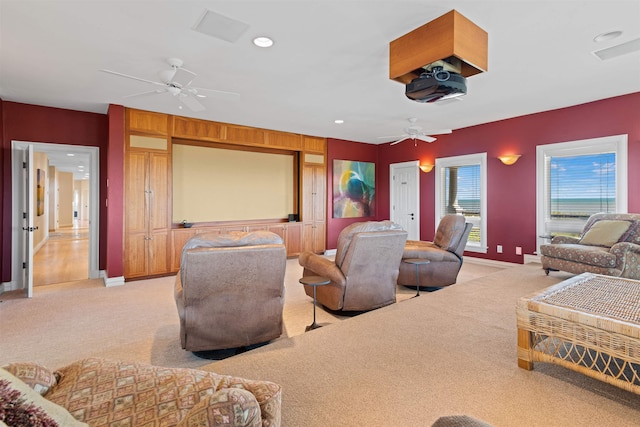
x,y
16,199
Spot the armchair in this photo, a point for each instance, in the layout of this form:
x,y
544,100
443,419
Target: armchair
x,y
230,290
364,273
609,245
444,253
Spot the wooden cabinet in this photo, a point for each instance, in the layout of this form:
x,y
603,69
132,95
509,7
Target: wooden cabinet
x,y
291,233
314,198
146,214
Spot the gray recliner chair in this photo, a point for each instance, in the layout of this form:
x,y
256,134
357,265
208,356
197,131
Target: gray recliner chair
x,y
230,290
364,273
444,253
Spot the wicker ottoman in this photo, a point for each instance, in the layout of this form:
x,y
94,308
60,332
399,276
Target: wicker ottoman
x,y
589,323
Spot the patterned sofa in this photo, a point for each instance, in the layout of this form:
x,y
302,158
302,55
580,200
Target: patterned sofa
x,y
609,244
100,392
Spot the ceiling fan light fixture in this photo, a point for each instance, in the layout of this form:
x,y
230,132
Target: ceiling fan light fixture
x,y
173,90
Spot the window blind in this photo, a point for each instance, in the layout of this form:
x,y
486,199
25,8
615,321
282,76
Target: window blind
x,y
462,195
579,186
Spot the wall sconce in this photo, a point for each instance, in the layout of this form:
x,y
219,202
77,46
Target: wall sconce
x,y
510,159
426,168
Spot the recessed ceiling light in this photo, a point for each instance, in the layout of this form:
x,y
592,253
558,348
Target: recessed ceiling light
x,y
70,154
338,121
607,36
263,41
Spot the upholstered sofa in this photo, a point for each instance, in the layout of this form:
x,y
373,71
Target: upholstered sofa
x,y
99,392
364,273
230,290
444,254
609,245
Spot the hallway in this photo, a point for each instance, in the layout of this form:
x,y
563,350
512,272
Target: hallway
x,y
64,257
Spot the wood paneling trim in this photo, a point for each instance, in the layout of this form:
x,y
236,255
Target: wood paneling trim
x,y
244,135
147,122
200,129
313,144
284,140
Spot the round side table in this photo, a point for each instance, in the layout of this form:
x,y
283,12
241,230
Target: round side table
x,y
417,262
314,281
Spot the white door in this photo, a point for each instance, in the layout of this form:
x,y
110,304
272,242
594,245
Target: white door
x,y
27,183
405,197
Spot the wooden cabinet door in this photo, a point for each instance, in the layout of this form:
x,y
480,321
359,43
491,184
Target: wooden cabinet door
x,y
294,238
135,213
319,194
135,252
178,238
158,252
158,192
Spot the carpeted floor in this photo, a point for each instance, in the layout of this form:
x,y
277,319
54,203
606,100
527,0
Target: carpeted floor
x,y
451,351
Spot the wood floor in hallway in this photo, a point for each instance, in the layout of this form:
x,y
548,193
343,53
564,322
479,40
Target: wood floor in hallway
x,y
64,257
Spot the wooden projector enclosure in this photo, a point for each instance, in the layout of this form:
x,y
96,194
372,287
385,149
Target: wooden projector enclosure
x,y
450,38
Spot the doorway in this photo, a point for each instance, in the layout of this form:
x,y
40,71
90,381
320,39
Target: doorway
x,y
75,226
405,197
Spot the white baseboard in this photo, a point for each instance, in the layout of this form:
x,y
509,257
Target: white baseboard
x,y
113,281
491,262
8,286
531,258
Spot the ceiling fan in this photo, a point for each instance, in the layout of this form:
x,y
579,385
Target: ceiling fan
x,y
176,81
416,133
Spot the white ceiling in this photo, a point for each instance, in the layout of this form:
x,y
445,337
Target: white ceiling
x,y
329,61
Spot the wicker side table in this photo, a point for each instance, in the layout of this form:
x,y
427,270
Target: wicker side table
x,y
589,323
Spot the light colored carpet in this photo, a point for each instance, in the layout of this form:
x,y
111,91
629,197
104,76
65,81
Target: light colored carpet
x,y
452,351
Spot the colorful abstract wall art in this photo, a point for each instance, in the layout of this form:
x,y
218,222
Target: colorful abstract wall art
x,y
354,185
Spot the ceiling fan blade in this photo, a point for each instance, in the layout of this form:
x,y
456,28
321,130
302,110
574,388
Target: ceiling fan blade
x,y
215,90
149,92
192,103
439,132
132,77
425,138
400,140
183,77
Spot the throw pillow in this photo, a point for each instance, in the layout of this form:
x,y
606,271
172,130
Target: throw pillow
x,y
605,233
37,377
30,403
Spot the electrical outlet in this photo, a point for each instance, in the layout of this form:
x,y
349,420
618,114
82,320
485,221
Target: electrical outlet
x,y
518,250
499,249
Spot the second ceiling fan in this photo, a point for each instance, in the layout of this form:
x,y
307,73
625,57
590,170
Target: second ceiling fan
x,y
416,133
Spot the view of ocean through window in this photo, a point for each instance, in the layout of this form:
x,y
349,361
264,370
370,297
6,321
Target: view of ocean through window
x,y
582,185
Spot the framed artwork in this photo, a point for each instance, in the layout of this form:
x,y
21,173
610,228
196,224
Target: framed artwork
x,y
40,192
354,185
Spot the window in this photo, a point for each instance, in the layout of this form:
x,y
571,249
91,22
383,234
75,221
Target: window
x,y
461,188
577,179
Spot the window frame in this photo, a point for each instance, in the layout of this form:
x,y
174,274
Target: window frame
x,y
609,144
458,161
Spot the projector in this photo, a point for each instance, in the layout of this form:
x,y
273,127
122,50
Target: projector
x,y
436,85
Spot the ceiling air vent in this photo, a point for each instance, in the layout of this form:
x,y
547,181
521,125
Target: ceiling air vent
x,y
221,27
618,50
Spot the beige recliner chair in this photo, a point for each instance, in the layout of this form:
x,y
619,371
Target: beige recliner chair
x,y
444,253
230,290
364,273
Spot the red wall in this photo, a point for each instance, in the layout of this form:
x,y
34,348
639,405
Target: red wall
x,y
31,123
114,199
511,198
